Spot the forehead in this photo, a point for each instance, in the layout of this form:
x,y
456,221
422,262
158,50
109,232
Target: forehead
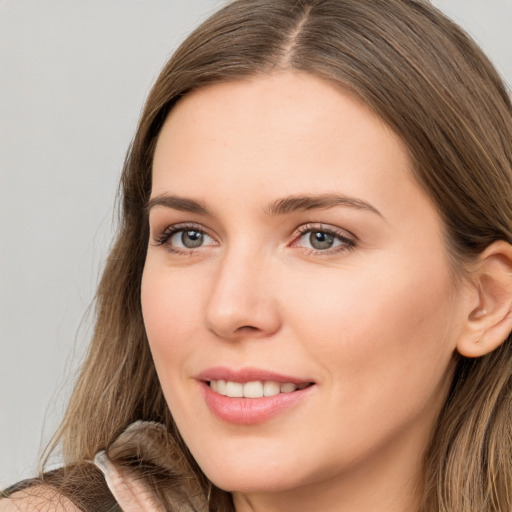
x,y
286,133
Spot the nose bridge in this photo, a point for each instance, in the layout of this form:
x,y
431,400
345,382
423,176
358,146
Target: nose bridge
x,y
242,300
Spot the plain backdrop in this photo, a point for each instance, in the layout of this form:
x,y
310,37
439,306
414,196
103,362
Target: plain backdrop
x,y
73,78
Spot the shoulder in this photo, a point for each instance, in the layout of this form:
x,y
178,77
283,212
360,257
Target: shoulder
x,y
78,487
39,498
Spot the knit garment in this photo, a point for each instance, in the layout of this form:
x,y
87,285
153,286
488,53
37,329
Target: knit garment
x,y
148,443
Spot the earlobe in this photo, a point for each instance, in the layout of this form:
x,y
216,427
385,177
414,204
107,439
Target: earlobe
x,y
489,321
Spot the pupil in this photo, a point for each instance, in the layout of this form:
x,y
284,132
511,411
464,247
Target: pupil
x,y
192,239
321,240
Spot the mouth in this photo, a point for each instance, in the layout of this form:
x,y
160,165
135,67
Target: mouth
x,y
255,388
251,396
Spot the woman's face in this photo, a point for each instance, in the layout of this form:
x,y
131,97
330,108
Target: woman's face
x,y
292,252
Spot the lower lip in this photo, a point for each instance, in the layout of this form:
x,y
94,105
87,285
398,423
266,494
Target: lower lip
x,y
250,411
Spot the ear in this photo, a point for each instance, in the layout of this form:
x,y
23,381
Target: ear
x,y
490,317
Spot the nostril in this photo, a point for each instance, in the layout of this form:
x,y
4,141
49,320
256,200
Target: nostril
x,y
250,328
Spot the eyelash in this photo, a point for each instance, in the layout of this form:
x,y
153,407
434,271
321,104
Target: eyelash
x,y
163,238
347,242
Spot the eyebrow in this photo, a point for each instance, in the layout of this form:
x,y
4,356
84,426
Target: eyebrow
x,y
312,202
182,204
279,207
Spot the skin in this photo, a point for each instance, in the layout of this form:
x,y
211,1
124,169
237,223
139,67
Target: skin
x,y
374,325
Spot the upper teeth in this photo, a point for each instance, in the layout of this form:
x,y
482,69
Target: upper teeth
x,y
254,389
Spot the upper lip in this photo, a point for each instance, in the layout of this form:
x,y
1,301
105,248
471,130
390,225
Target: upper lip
x,y
248,374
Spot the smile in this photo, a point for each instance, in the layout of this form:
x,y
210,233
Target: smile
x,y
250,396
254,389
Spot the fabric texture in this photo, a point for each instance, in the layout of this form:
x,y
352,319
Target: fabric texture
x,y
130,492
149,444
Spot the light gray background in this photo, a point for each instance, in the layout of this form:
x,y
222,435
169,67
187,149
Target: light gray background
x,y
73,77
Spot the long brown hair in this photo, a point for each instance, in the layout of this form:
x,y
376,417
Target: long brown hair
x,y
435,88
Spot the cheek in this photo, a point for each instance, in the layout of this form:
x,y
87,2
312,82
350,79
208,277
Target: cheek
x,y
171,306
380,332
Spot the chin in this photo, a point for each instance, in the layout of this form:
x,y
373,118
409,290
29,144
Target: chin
x,y
255,470
247,480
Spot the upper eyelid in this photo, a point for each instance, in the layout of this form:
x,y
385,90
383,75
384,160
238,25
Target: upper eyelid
x,y
328,228
183,226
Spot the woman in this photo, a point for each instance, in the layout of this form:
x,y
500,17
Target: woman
x,y
308,303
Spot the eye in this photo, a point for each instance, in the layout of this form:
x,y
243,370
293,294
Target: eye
x,y
190,239
319,238
183,238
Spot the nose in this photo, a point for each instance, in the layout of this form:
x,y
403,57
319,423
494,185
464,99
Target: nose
x,y
242,302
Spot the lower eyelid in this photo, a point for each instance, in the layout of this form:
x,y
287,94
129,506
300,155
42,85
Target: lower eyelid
x,y
345,245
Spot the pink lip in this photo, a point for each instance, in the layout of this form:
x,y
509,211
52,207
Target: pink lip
x,y
249,411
